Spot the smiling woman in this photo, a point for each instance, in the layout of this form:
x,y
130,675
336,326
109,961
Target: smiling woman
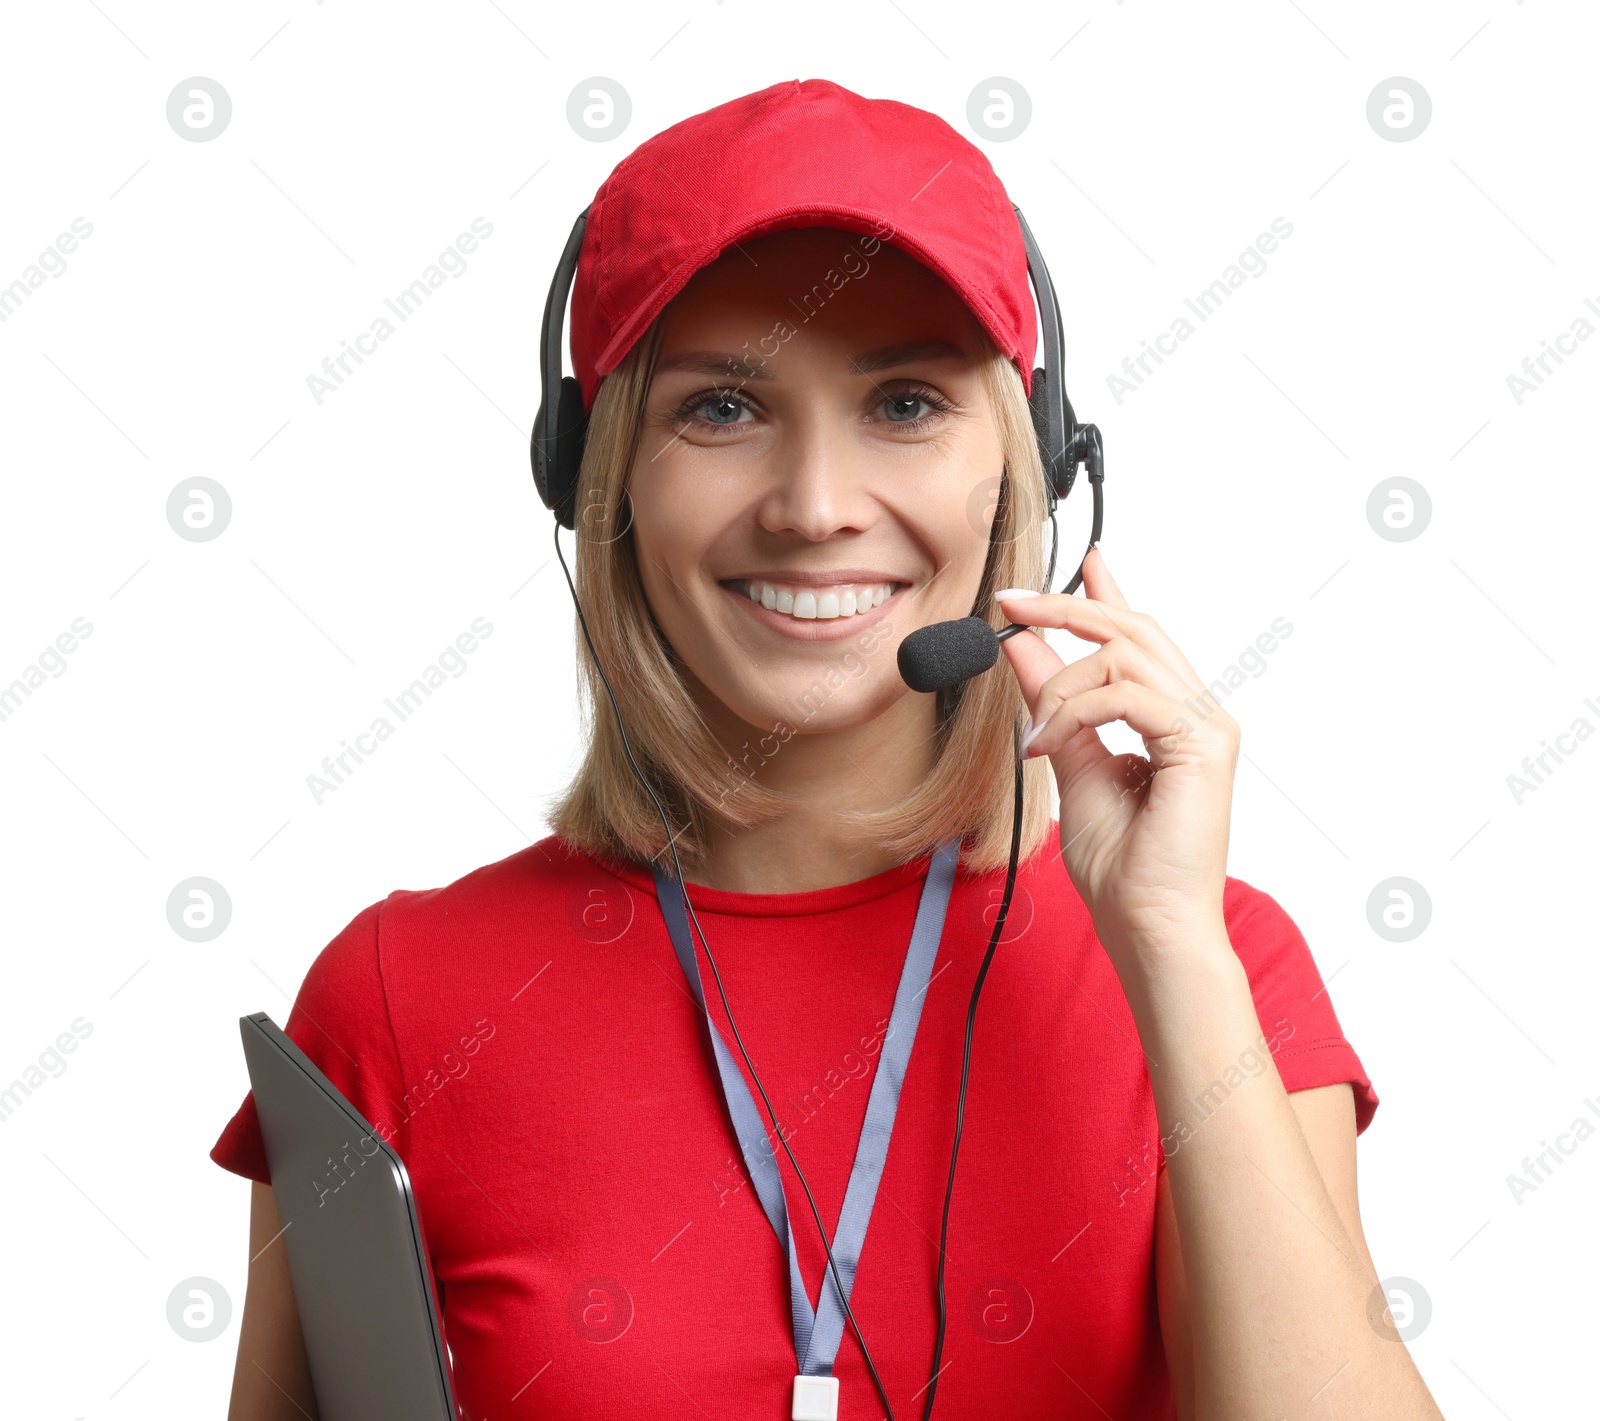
x,y
721,473
765,509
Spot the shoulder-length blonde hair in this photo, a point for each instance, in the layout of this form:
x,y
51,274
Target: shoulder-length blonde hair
x,y
968,792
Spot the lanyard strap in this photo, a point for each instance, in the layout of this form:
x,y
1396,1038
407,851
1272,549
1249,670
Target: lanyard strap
x,y
817,1334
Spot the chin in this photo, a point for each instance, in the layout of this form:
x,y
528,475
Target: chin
x,y
817,702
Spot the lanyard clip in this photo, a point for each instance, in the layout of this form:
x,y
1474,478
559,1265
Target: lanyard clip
x,y
815,1399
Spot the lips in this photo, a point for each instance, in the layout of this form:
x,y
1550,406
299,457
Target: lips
x,y
819,602
814,610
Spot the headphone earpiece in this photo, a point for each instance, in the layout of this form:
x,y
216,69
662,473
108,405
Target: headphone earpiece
x,y
1047,429
558,451
556,448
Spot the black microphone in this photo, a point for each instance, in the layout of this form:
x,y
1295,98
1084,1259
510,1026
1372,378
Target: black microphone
x,y
945,654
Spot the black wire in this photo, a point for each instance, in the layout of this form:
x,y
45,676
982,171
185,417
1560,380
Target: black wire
x,y
771,1113
966,1063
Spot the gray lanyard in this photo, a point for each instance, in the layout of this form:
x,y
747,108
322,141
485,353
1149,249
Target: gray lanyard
x,y
817,1334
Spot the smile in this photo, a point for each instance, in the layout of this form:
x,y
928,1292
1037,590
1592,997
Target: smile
x,y
843,599
814,611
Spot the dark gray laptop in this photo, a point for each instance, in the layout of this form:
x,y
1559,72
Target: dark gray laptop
x,y
368,1307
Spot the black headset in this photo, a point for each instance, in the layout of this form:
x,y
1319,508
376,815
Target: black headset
x,y
557,453
559,429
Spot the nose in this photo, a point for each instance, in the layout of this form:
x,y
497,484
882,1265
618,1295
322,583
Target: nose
x,y
819,482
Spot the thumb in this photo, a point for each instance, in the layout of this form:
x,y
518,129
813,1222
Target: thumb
x,y
1033,662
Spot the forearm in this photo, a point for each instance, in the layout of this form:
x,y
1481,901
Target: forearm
x,y
1279,1294
271,1378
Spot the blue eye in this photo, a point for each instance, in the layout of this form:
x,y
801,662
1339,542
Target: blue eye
x,y
903,407
710,410
727,411
720,410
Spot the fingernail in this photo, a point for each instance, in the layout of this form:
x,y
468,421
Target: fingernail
x,y
1019,592
1030,735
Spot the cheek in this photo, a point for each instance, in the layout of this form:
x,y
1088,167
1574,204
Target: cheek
x,y
669,542
672,539
960,498
955,526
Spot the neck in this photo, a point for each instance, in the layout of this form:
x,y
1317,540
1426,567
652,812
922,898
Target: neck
x,y
825,775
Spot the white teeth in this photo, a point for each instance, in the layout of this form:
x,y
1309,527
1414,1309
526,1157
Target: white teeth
x,y
826,605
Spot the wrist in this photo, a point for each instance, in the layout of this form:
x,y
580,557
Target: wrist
x,y
1173,951
1163,937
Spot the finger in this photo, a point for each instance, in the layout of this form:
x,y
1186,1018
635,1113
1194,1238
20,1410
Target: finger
x,y
1085,618
1089,619
1097,580
1034,662
1118,660
1037,666
1169,735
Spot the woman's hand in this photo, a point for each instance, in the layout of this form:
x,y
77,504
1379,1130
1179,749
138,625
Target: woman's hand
x,y
1145,841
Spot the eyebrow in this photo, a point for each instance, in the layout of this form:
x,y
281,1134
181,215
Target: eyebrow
x,y
714,362
888,356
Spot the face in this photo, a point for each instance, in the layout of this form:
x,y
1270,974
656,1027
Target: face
x,y
814,480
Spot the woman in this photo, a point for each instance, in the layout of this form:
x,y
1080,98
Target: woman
x,y
785,474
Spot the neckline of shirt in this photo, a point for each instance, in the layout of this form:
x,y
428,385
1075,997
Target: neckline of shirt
x,y
775,905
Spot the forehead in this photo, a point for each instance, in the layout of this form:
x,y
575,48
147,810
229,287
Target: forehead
x,y
820,280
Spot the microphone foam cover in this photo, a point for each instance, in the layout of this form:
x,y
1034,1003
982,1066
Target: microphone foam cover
x,y
947,653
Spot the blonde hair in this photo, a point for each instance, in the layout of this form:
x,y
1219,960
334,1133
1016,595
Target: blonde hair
x,y
970,790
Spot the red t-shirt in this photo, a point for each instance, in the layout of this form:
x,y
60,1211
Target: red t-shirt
x,y
526,1040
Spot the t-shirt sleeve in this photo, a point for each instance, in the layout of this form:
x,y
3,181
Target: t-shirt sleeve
x,y
1293,1003
340,1019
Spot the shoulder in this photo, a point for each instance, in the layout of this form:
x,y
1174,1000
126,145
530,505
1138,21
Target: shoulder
x,y
1252,909
439,959
409,976
1293,1000
1263,934
404,941
1266,938
534,887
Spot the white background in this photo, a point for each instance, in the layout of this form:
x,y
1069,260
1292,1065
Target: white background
x,y
369,530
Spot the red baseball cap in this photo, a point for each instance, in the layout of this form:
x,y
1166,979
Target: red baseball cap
x,y
806,152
